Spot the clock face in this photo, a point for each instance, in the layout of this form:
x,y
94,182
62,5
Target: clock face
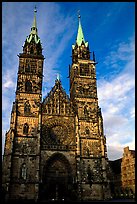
x,y
55,135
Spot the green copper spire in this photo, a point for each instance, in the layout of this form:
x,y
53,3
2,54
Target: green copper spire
x,y
80,35
34,33
34,26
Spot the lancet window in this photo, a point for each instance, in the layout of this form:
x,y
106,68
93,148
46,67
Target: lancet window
x,y
28,86
23,171
27,68
27,108
25,128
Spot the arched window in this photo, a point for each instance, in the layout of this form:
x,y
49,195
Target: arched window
x,y
87,131
86,112
26,108
27,68
25,128
31,50
28,86
23,172
88,152
81,71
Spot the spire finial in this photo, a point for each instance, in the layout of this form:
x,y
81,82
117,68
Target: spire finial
x,y
79,16
35,9
58,76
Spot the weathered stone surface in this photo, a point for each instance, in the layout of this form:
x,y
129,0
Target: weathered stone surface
x,y
55,149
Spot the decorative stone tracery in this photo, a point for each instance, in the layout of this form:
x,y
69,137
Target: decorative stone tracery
x,y
56,132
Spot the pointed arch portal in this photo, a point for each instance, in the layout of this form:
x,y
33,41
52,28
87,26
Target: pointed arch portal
x,y
57,181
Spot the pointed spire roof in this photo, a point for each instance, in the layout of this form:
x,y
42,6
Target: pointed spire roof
x,y
34,25
34,30
80,35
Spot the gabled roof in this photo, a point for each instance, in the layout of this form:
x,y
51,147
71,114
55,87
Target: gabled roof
x,y
58,89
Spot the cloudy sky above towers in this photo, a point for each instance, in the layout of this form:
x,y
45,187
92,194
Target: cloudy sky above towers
x,y
109,27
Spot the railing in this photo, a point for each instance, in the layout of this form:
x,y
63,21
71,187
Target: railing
x,y
58,147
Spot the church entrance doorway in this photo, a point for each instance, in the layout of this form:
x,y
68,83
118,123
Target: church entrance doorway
x,y
57,179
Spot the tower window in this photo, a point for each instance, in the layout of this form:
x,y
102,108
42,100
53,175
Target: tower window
x,y
87,130
86,111
84,70
26,108
31,50
25,128
28,86
23,171
27,68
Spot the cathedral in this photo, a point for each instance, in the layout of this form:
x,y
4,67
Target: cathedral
x,y
55,148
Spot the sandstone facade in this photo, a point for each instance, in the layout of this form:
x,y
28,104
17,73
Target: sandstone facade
x,y
55,147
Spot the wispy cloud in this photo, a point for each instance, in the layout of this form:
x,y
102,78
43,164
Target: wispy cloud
x,y
116,98
122,52
110,13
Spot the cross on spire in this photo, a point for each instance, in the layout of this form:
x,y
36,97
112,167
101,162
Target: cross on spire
x,y
34,26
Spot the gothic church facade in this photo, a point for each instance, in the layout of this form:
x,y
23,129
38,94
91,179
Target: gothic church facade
x,y
55,147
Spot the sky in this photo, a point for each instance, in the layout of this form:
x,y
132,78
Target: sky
x,y
109,27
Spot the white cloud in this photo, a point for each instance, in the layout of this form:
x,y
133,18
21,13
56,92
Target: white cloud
x,y
8,79
119,53
116,98
132,112
114,152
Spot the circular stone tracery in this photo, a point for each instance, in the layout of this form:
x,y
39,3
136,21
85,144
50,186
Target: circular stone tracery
x,y
55,134
58,133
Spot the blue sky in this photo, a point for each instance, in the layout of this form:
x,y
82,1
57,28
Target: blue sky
x,y
109,27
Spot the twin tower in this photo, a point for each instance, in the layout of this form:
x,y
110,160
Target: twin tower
x,y
55,148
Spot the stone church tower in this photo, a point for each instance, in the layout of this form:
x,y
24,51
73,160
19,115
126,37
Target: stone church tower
x,y
55,149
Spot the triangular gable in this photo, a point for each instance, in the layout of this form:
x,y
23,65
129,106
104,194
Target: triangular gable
x,y
57,101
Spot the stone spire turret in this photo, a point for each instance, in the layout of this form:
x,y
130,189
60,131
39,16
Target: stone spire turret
x,y
80,35
80,50
32,44
34,31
